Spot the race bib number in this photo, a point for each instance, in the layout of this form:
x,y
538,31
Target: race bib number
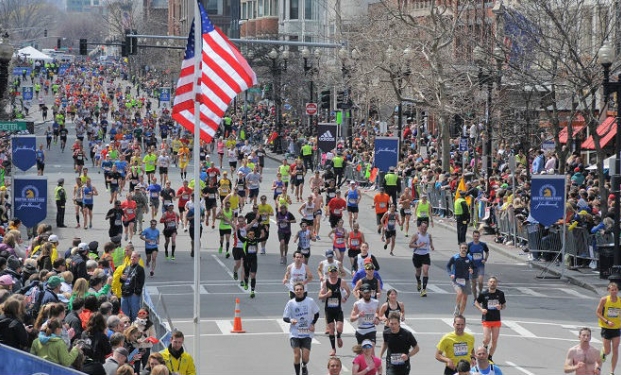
x,y
333,302
407,211
613,312
353,201
185,196
338,211
118,222
130,211
477,256
305,251
167,202
211,196
355,243
368,318
152,242
460,281
299,177
395,359
283,224
492,303
340,241
391,223
252,249
460,349
382,205
154,195
278,191
171,225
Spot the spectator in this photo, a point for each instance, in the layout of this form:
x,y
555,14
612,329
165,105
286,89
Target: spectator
x,y
96,332
13,333
50,346
118,358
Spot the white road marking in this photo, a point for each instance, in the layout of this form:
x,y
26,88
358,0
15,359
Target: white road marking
x,y
530,292
224,326
575,293
152,290
519,368
226,269
201,289
436,289
518,328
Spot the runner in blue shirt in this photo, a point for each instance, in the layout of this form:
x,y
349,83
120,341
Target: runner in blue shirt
x,y
479,252
40,155
88,201
459,268
352,197
151,238
154,190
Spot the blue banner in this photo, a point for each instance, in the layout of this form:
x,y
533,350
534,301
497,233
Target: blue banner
x,y
165,94
24,151
386,153
19,362
547,199
19,70
30,200
27,92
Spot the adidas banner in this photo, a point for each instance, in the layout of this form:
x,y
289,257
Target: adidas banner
x,y
386,153
326,136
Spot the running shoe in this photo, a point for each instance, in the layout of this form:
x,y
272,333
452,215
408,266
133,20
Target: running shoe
x,y
419,286
252,294
385,246
234,275
304,370
423,292
228,255
245,285
407,235
263,251
339,342
220,250
241,283
172,258
167,257
603,355
318,238
151,273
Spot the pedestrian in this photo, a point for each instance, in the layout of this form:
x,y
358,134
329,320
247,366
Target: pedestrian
x,y
610,322
459,268
301,313
381,200
462,216
297,272
423,211
151,238
480,254
334,291
392,184
176,359
60,196
366,312
392,305
170,219
115,217
399,345
583,359
483,365
132,281
390,220
250,250
353,197
284,219
88,201
455,346
490,302
304,236
40,156
422,245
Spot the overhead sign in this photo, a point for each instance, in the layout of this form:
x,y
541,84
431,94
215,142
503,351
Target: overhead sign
x,y
311,109
30,199
14,126
27,93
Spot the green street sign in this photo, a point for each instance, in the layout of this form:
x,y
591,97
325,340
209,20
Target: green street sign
x,y
12,126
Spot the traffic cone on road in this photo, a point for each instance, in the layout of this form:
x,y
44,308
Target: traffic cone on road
x,y
237,323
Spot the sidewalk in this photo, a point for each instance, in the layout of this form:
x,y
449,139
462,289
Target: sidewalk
x,y
583,277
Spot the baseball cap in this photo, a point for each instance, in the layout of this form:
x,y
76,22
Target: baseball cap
x,y
352,182
365,288
6,280
367,344
329,253
332,269
83,246
53,238
54,281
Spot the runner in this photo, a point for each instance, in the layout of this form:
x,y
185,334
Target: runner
x,y
355,239
253,180
265,211
184,159
422,244
170,219
336,206
609,321
40,157
391,306
423,211
114,179
154,189
297,273
284,170
163,163
339,236
240,189
225,215
318,202
129,216
460,268
210,193
390,220
381,201
479,252
399,345
298,174
251,246
150,162
366,312
151,238
334,291
490,302
302,313
353,197
88,192
405,201
583,359
238,249
78,200
455,346
183,196
305,236
224,186
322,269
278,186
284,219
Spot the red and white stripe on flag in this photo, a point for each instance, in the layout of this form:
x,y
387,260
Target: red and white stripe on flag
x,y
224,73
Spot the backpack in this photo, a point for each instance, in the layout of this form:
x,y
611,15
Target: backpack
x,y
34,297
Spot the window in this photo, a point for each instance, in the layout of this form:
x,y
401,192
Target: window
x,y
308,9
294,9
260,12
273,8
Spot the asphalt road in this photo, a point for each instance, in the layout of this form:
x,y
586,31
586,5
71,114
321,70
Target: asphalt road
x,y
540,323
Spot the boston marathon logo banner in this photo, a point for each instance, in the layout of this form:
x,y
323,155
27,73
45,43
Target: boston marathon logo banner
x,y
30,199
326,136
386,153
24,151
548,199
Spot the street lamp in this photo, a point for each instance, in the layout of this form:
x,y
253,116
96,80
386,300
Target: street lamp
x,y
279,65
345,106
488,78
6,54
605,56
399,71
310,70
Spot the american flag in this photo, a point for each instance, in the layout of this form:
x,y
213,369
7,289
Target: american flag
x,y
224,73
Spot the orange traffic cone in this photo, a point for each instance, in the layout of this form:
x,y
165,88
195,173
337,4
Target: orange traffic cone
x,y
237,323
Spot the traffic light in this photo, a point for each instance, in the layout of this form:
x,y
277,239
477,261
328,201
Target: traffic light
x,y
134,46
343,101
45,33
59,43
83,47
325,100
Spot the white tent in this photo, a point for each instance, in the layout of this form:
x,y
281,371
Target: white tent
x,y
32,53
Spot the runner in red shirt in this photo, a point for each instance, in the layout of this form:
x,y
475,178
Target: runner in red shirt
x,y
171,223
335,208
129,216
213,173
183,195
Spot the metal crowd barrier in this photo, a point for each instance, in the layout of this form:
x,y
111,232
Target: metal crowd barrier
x,y
162,328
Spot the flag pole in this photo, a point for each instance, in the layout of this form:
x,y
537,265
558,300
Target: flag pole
x,y
198,53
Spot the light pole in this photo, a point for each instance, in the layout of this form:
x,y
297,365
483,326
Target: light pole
x,y
399,72
488,78
279,65
6,54
310,70
347,59
605,56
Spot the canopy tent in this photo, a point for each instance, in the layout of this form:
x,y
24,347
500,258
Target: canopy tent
x,y
33,54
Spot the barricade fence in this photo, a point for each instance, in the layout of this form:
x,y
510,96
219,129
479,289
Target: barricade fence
x,y
162,328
